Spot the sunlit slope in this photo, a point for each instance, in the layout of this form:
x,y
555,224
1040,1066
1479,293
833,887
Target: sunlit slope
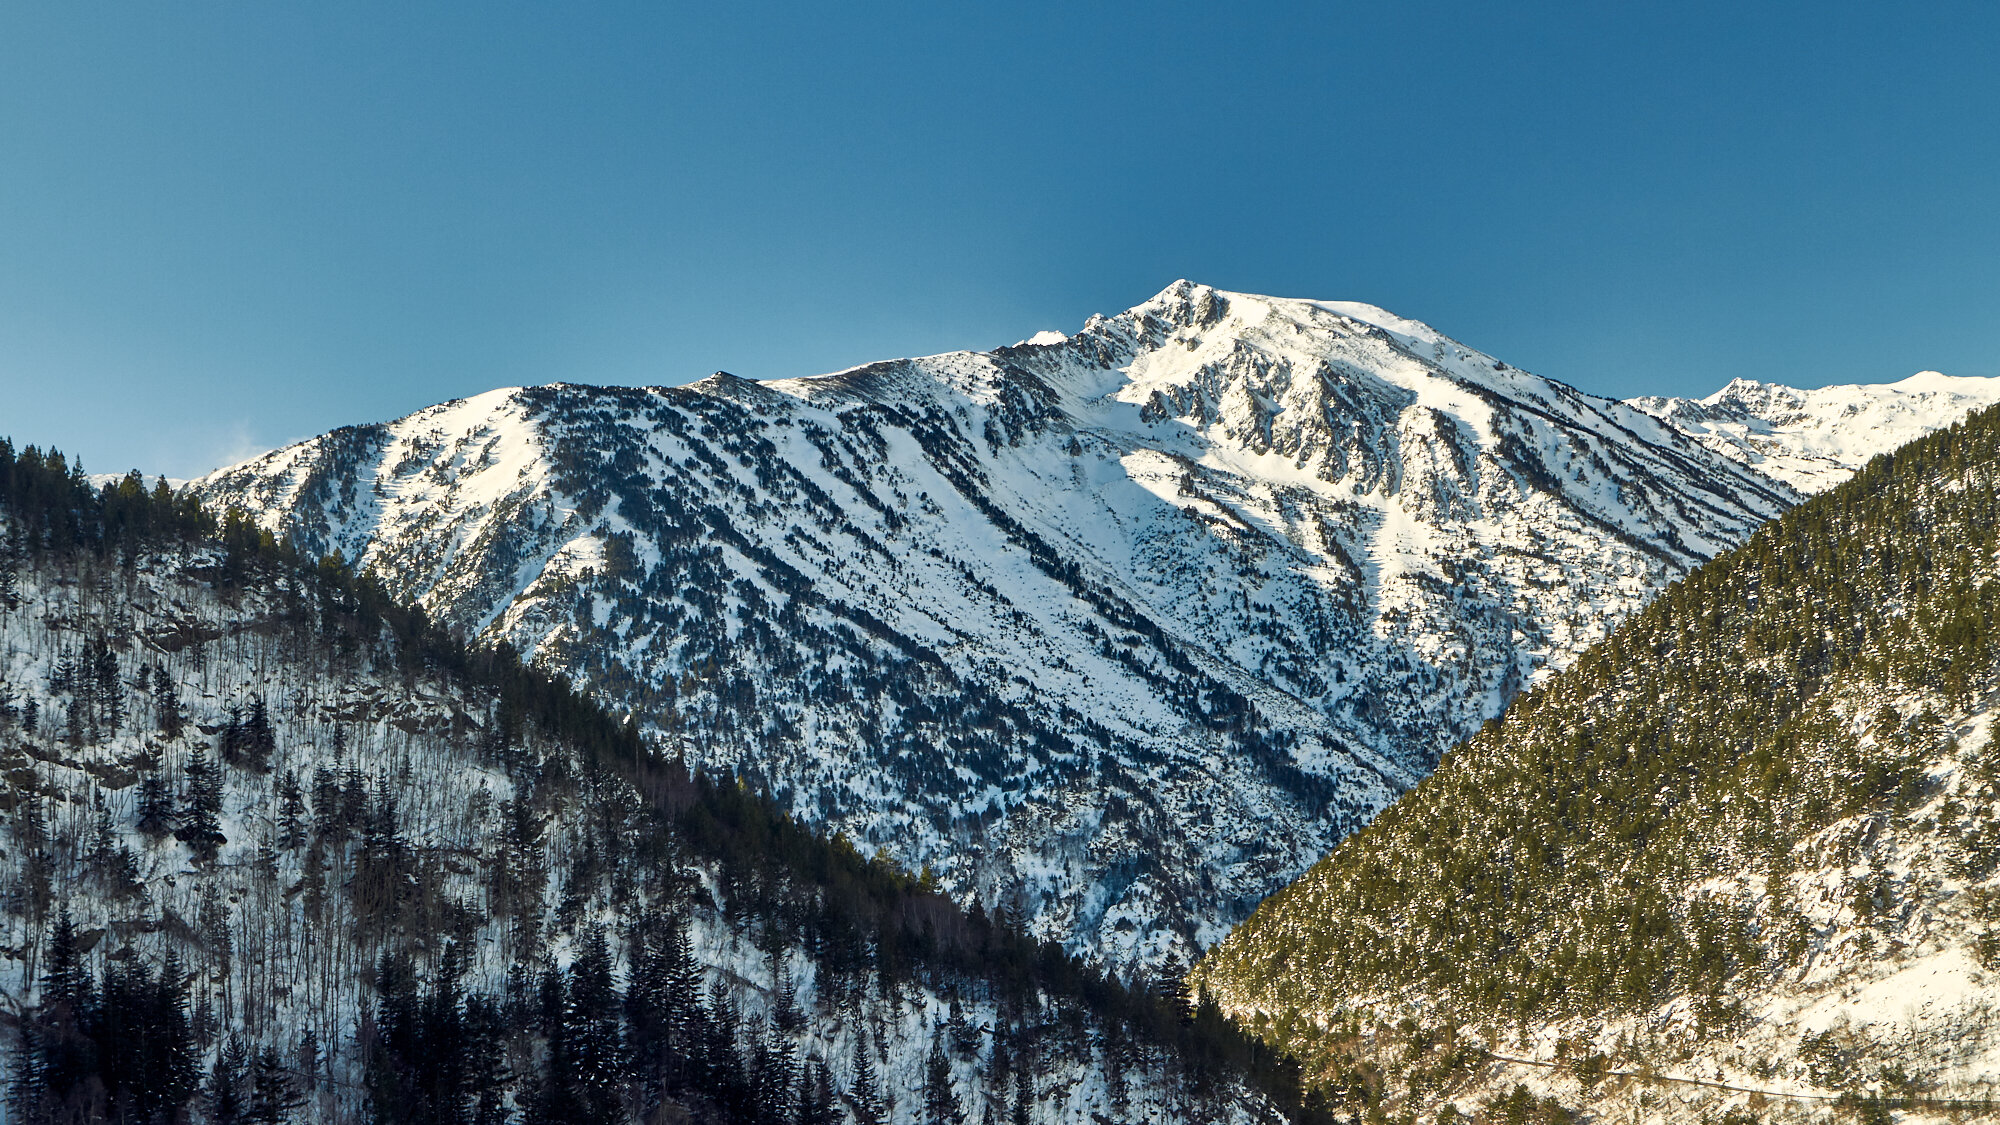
x,y
1751,834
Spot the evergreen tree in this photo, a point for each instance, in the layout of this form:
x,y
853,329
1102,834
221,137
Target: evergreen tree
x,y
486,1073
1024,1093
155,804
785,1012
291,812
257,740
865,1094
273,1093
939,1105
106,690
816,1099
169,717
10,575
229,741
175,1073
776,1074
961,1033
200,820
226,1104
593,1030
65,1058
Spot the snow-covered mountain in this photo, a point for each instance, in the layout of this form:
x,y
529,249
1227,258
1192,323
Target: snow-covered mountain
x,y
1122,629
1814,439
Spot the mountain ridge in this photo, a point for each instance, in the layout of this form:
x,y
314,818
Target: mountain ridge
x,y
1748,833
1157,610
1814,439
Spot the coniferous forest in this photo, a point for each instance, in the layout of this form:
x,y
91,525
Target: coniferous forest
x,y
1772,786
281,849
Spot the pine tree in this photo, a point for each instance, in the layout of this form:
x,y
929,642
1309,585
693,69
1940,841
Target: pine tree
x,y
940,1099
775,1073
1170,986
169,717
272,1091
229,741
723,1075
27,1082
1024,1092
595,1035
647,1038
960,1032
865,1095
107,693
486,1075
257,740
155,804
75,731
10,575
103,837
785,1013
200,820
175,1068
226,1105
65,1056
685,1016
31,832
145,1054
291,812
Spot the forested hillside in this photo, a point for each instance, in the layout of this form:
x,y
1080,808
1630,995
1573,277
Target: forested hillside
x,y
281,849
1750,837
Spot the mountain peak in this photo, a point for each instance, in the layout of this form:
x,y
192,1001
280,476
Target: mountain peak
x,y
1160,609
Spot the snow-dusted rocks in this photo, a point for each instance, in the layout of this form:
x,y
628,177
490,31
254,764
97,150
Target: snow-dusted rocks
x,y
1123,628
1814,439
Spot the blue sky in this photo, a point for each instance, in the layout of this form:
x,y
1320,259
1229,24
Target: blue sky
x,y
225,226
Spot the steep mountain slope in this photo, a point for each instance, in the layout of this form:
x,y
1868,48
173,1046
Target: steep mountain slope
x,y
1749,838
1813,440
1125,627
278,849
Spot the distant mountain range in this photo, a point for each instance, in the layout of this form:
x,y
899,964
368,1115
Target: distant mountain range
x,y
1813,440
1120,630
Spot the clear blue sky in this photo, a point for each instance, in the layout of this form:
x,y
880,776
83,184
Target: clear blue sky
x,y
226,226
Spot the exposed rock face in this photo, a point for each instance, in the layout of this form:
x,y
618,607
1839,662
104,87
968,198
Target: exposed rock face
x,y
1123,628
